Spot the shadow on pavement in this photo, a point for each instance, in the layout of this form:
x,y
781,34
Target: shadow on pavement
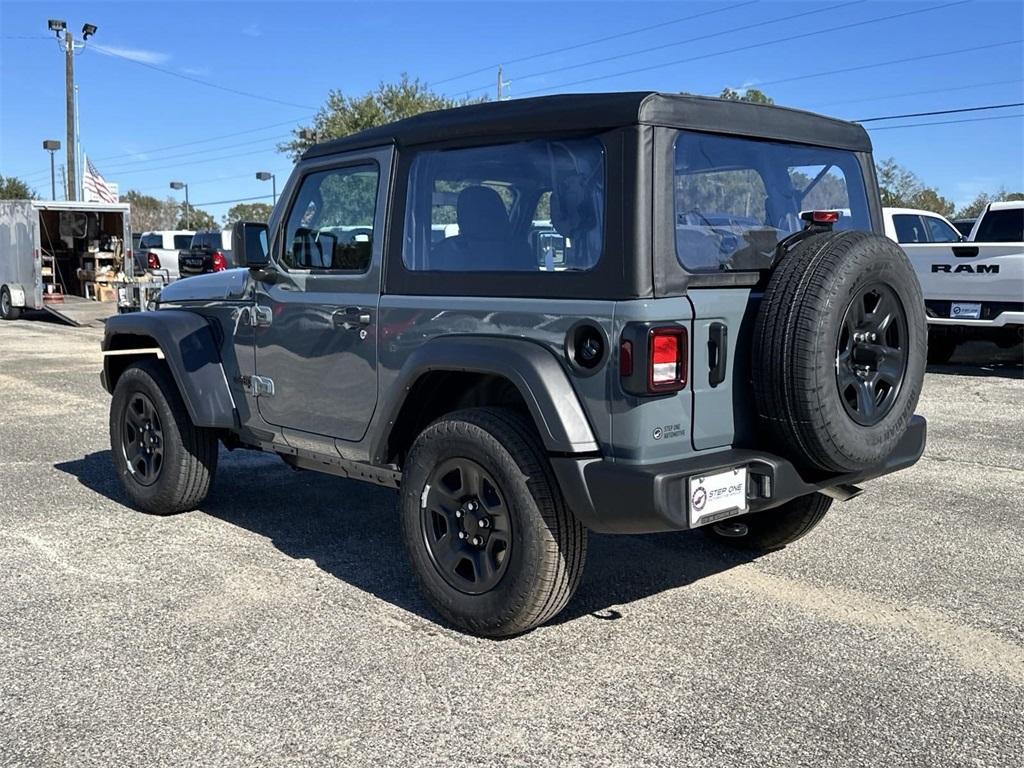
x,y
983,359
351,531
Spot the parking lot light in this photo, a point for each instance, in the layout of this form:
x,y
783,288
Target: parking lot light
x,y
267,175
183,185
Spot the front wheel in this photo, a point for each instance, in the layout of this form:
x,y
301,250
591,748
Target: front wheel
x,y
774,528
165,462
492,543
7,309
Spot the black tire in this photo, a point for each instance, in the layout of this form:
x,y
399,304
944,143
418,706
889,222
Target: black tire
x,y
188,454
774,528
538,568
941,346
823,405
7,309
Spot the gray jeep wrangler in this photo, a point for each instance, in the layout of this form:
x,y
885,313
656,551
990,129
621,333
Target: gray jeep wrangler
x,y
625,313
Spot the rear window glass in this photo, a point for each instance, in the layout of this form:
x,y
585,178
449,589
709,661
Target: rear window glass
x,y
736,198
152,241
1005,226
182,241
522,207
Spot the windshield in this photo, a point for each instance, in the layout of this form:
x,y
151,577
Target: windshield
x,y
735,198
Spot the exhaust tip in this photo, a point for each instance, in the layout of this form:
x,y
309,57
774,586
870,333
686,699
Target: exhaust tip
x,y
843,492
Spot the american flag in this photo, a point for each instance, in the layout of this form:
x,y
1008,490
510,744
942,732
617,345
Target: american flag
x,y
96,189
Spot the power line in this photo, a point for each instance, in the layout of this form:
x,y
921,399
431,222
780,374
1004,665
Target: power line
x,y
972,86
192,162
946,122
236,200
673,44
190,78
595,41
940,112
202,141
752,46
862,67
193,153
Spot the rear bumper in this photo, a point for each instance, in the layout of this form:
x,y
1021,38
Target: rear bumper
x,y
610,497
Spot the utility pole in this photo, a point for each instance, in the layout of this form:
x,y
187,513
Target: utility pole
x,y
64,35
499,82
69,94
64,182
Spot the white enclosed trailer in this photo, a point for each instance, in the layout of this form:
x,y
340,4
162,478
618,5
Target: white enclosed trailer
x,y
65,257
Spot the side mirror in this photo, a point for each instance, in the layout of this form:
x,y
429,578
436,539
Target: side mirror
x,y
250,242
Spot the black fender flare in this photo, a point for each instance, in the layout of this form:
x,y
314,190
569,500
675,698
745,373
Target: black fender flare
x,y
533,370
190,349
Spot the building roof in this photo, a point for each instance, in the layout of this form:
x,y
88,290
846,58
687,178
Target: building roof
x,y
579,112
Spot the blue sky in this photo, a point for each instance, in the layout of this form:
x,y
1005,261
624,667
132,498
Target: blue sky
x,y
294,52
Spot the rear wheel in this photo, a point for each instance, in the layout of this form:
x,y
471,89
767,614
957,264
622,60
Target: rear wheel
x,y
7,309
489,536
775,528
165,462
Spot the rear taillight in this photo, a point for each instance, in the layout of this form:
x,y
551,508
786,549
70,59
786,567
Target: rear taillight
x,y
653,358
667,355
153,261
219,262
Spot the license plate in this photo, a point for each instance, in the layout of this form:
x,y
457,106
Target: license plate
x,y
194,263
717,496
967,310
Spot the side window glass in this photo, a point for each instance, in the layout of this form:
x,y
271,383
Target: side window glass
x,y
909,228
330,226
531,206
940,232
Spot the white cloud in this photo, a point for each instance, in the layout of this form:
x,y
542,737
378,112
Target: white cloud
x,y
141,55
196,71
252,30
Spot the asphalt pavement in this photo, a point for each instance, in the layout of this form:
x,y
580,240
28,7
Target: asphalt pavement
x,y
280,624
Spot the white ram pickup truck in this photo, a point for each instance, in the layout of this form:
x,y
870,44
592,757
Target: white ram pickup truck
x,y
972,289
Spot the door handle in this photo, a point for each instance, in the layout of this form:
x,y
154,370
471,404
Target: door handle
x,y
718,352
350,318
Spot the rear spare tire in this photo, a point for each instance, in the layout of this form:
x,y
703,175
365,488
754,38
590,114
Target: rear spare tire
x,y
840,346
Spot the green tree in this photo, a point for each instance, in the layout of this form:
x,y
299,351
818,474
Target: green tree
x,y
150,213
342,115
248,212
750,94
901,188
974,208
197,219
13,188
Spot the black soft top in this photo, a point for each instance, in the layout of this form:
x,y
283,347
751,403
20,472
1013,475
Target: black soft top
x,y
579,112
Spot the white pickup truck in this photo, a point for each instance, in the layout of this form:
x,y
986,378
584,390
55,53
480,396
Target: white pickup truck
x,y
973,288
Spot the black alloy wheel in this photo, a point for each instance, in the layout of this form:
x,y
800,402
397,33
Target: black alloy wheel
x,y
871,354
466,526
143,439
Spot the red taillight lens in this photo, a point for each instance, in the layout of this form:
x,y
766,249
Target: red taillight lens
x,y
667,354
153,261
820,217
219,262
626,358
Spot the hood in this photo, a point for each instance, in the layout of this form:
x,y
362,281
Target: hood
x,y
229,284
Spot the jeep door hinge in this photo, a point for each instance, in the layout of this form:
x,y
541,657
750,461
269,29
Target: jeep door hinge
x,y
257,386
260,317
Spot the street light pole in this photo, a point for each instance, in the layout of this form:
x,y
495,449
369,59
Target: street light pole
x,y
59,28
51,146
183,185
263,176
69,96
